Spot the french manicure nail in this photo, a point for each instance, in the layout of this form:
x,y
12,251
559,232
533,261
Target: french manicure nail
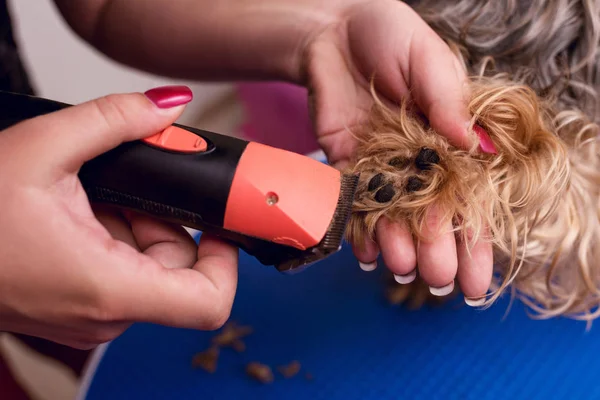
x,y
368,267
485,142
169,96
405,279
475,302
442,291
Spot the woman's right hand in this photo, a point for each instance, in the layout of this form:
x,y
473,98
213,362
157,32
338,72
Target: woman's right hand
x,y
79,276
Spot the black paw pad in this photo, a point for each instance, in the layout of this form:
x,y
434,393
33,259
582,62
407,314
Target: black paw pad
x,y
426,158
399,162
414,183
385,194
375,182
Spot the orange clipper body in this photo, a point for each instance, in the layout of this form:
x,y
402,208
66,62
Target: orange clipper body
x,y
264,199
283,208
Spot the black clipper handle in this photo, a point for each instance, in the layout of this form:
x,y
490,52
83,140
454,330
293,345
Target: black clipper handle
x,y
186,189
189,189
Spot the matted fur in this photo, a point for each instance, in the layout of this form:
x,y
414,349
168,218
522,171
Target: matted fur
x,y
534,90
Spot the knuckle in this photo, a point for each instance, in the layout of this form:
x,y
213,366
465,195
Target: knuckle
x,y
112,111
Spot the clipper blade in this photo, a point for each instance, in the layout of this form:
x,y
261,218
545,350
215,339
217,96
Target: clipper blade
x,y
332,241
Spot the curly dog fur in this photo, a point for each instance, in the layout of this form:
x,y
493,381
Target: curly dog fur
x,y
533,89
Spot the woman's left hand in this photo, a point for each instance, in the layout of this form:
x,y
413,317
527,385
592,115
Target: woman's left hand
x,y
388,40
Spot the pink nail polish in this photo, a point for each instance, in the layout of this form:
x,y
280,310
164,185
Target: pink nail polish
x,y
169,96
485,142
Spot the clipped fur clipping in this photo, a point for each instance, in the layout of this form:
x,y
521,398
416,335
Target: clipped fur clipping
x,y
538,199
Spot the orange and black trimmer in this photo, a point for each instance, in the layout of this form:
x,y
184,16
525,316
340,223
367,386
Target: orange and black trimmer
x,y
285,209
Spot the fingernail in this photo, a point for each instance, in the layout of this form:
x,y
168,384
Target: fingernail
x,y
408,278
475,302
368,267
485,142
442,291
169,96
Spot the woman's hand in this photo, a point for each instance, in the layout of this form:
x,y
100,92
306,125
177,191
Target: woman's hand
x,y
81,277
387,40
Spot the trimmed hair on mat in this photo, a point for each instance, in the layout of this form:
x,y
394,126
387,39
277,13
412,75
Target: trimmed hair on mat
x,y
534,82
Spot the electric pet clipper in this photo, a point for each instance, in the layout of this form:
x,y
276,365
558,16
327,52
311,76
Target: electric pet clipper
x,y
285,209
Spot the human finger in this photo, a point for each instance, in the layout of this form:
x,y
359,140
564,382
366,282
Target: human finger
x,y
398,249
475,270
366,253
437,255
169,244
196,298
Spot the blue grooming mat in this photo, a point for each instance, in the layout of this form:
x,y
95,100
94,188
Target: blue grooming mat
x,y
334,320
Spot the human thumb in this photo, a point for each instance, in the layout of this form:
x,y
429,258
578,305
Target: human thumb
x,y
66,139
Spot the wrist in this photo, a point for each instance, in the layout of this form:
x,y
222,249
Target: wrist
x,y
305,23
271,41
